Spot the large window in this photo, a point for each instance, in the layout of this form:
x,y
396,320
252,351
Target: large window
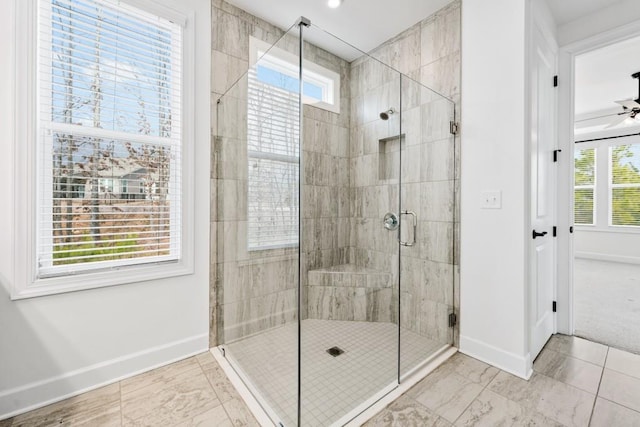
x,y
584,181
109,137
625,185
273,140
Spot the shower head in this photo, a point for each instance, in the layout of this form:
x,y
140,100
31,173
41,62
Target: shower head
x,y
385,114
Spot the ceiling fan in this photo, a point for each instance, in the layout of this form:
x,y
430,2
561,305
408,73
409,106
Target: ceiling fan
x,y
630,107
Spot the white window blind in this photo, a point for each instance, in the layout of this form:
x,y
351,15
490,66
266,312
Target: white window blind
x,y
625,185
272,142
584,181
109,137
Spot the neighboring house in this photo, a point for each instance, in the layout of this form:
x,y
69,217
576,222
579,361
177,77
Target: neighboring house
x,y
126,182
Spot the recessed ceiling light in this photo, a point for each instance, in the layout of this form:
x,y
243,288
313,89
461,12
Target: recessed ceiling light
x,y
334,3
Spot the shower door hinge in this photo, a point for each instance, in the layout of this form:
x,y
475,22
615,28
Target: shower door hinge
x,y
554,307
555,231
453,320
555,81
453,127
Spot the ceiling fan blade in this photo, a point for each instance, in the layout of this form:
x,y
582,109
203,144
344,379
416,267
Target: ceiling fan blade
x,y
628,103
618,121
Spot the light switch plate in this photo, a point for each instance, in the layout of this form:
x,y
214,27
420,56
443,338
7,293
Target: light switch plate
x,y
491,200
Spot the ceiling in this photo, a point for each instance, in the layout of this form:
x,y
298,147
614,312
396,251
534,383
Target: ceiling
x,y
364,24
604,76
565,11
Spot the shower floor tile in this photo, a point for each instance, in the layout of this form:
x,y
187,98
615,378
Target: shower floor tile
x,y
331,386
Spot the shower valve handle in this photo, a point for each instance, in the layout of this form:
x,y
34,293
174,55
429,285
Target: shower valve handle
x,y
390,221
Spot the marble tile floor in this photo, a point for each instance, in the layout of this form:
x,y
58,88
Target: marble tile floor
x,y
191,392
575,383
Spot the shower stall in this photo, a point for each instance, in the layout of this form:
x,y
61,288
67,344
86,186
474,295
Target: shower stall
x,y
335,180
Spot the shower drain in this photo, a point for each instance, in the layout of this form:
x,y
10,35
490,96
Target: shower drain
x,y
335,351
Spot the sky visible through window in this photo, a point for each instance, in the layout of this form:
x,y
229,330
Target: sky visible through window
x,y
632,160
134,69
133,77
288,83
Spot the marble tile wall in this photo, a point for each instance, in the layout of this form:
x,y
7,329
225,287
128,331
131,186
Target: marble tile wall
x,y
326,213
349,292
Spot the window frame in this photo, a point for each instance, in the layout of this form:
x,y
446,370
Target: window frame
x,y
287,63
611,186
27,284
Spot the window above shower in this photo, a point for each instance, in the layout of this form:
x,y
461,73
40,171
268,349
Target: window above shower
x,y
277,67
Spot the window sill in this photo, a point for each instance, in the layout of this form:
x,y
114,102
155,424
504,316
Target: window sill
x,y
609,229
105,278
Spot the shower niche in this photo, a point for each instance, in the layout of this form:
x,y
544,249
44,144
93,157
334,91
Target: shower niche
x,y
389,157
321,309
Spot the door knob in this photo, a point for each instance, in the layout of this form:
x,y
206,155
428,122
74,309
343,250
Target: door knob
x,y
536,234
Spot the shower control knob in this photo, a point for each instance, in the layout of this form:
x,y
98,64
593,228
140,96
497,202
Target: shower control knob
x,y
390,221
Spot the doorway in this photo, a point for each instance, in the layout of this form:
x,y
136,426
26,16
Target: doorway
x,y
605,195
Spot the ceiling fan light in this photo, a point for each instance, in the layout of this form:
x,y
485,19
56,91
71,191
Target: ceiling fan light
x,y
334,3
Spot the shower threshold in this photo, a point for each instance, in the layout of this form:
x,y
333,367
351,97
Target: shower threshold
x,y
343,390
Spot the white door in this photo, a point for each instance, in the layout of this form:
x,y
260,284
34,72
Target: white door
x,y
543,184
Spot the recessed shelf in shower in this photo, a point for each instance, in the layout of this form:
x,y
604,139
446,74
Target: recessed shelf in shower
x,y
389,156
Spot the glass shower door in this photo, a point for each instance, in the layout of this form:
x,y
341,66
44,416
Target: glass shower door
x,y
427,225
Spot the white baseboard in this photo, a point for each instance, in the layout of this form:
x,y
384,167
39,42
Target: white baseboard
x,y
514,364
45,392
608,257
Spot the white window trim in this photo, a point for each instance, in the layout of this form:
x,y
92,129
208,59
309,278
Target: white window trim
x,y
287,63
26,283
611,186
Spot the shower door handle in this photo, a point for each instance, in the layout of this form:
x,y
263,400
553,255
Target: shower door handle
x,y
415,226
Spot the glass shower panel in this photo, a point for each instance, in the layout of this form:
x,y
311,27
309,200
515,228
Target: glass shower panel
x,y
257,169
349,281
427,225
335,227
